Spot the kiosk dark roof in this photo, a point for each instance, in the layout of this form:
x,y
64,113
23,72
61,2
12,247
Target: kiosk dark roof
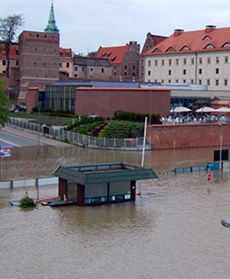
x,y
100,173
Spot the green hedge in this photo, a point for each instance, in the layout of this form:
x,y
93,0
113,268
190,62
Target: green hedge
x,y
122,129
136,117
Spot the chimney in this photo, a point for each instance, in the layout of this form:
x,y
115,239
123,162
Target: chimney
x,y
178,32
209,28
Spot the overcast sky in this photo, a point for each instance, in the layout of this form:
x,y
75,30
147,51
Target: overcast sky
x,y
86,25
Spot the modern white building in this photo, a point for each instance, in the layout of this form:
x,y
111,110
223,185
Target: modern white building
x,y
198,57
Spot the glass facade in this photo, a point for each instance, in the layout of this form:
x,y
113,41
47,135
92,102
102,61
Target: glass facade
x,y
107,192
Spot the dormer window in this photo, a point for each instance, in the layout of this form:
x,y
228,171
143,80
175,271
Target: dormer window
x,y
209,46
156,50
170,49
207,37
185,48
226,45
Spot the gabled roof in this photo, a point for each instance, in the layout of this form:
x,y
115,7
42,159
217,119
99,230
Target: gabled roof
x,y
151,41
207,40
115,54
104,173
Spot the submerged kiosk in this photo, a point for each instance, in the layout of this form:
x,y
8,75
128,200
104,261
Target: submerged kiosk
x,y
100,183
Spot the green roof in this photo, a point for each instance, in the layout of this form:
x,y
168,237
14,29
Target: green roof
x,y
104,173
51,26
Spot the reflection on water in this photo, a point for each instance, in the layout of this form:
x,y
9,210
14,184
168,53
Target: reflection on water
x,y
33,161
172,231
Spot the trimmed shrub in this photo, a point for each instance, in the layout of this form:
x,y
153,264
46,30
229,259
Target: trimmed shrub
x,y
27,202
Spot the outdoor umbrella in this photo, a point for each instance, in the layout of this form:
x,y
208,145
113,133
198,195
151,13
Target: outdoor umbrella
x,y
205,109
223,109
180,109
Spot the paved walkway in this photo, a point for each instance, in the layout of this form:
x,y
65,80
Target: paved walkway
x,y
33,136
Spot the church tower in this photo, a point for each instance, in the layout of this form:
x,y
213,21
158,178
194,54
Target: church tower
x,y
51,26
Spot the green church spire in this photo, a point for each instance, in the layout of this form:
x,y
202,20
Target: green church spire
x,y
51,26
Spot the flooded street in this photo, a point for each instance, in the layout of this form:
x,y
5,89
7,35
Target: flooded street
x,y
173,229
32,161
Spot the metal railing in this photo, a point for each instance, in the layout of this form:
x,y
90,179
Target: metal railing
x,y
59,133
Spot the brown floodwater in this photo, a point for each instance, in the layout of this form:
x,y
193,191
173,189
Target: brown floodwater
x,y
172,230
32,161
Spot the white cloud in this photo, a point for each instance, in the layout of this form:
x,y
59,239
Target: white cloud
x,y
85,25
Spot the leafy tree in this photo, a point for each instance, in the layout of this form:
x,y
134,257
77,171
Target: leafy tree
x,y
8,28
4,105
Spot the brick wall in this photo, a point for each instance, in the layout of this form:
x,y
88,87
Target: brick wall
x,y
188,135
105,101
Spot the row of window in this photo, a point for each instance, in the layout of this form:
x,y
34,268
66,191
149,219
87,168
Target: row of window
x,y
200,82
185,61
200,71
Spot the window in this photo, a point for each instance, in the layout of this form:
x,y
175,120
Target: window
x,y
209,60
192,61
170,62
217,60
177,80
226,59
184,80
75,68
162,81
169,81
162,62
170,72
67,54
225,82
156,63
134,67
192,81
17,63
102,70
208,82
177,61
217,70
184,72
200,81
67,65
149,73
125,73
149,63
3,62
217,82
200,60
125,67
185,61
200,71
91,69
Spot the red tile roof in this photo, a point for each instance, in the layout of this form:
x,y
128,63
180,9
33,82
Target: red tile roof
x,y
207,40
66,53
115,54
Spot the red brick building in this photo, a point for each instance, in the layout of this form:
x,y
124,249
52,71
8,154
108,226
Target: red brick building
x,y
124,59
105,101
38,60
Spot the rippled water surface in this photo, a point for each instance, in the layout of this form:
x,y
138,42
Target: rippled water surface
x,y
173,230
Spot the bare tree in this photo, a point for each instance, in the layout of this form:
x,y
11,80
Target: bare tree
x,y
8,28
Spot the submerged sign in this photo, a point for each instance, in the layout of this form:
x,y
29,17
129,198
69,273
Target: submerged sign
x,y
5,151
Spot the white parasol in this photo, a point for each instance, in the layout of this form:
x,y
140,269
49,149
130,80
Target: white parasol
x,y
180,109
205,109
223,109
